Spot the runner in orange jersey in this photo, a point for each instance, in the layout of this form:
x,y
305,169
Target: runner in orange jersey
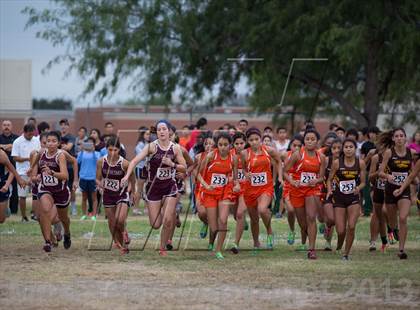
x,y
259,187
305,190
215,173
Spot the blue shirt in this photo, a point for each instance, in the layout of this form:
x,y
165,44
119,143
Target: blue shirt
x,y
139,147
87,162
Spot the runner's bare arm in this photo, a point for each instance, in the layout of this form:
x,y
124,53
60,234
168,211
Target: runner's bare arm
x,y
362,176
334,168
99,172
180,165
5,161
278,163
382,174
373,172
201,169
63,174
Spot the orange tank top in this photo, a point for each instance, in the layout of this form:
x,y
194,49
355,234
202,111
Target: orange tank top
x,y
218,172
259,165
307,168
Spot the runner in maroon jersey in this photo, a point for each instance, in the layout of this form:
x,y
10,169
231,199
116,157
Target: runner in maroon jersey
x,y
110,169
53,190
7,173
34,159
165,159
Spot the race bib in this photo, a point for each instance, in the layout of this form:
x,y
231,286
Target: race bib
x,y
112,185
259,179
398,178
380,184
49,180
305,177
347,187
218,180
164,173
241,175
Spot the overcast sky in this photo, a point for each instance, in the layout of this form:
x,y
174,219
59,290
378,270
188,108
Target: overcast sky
x,y
18,43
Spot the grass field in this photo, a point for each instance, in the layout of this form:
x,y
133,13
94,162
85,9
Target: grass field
x,y
192,278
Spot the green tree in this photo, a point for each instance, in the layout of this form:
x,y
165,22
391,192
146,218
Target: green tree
x,y
166,45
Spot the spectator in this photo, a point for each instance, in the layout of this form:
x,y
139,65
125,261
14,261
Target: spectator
x,y
268,131
80,139
32,120
341,133
415,143
282,142
333,127
7,138
68,143
243,125
96,135
87,160
43,127
109,128
184,136
21,150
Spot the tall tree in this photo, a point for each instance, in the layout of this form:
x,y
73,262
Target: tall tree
x,y
166,45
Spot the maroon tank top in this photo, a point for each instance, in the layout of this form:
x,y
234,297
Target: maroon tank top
x,y
159,173
48,182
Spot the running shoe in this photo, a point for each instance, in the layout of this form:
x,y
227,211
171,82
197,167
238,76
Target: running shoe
x,y
234,249
203,231
58,231
67,241
327,233
291,237
372,246
345,258
163,253
327,246
270,241
402,255
396,235
312,254
178,221
219,255
124,251
210,247
47,247
84,217
302,247
126,237
278,215
34,217
169,245
384,247
25,219
321,228
391,238
93,218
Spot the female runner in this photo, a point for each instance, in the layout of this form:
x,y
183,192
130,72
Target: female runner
x,y
7,173
332,154
395,168
259,187
305,190
215,174
348,172
53,193
110,170
294,146
165,159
